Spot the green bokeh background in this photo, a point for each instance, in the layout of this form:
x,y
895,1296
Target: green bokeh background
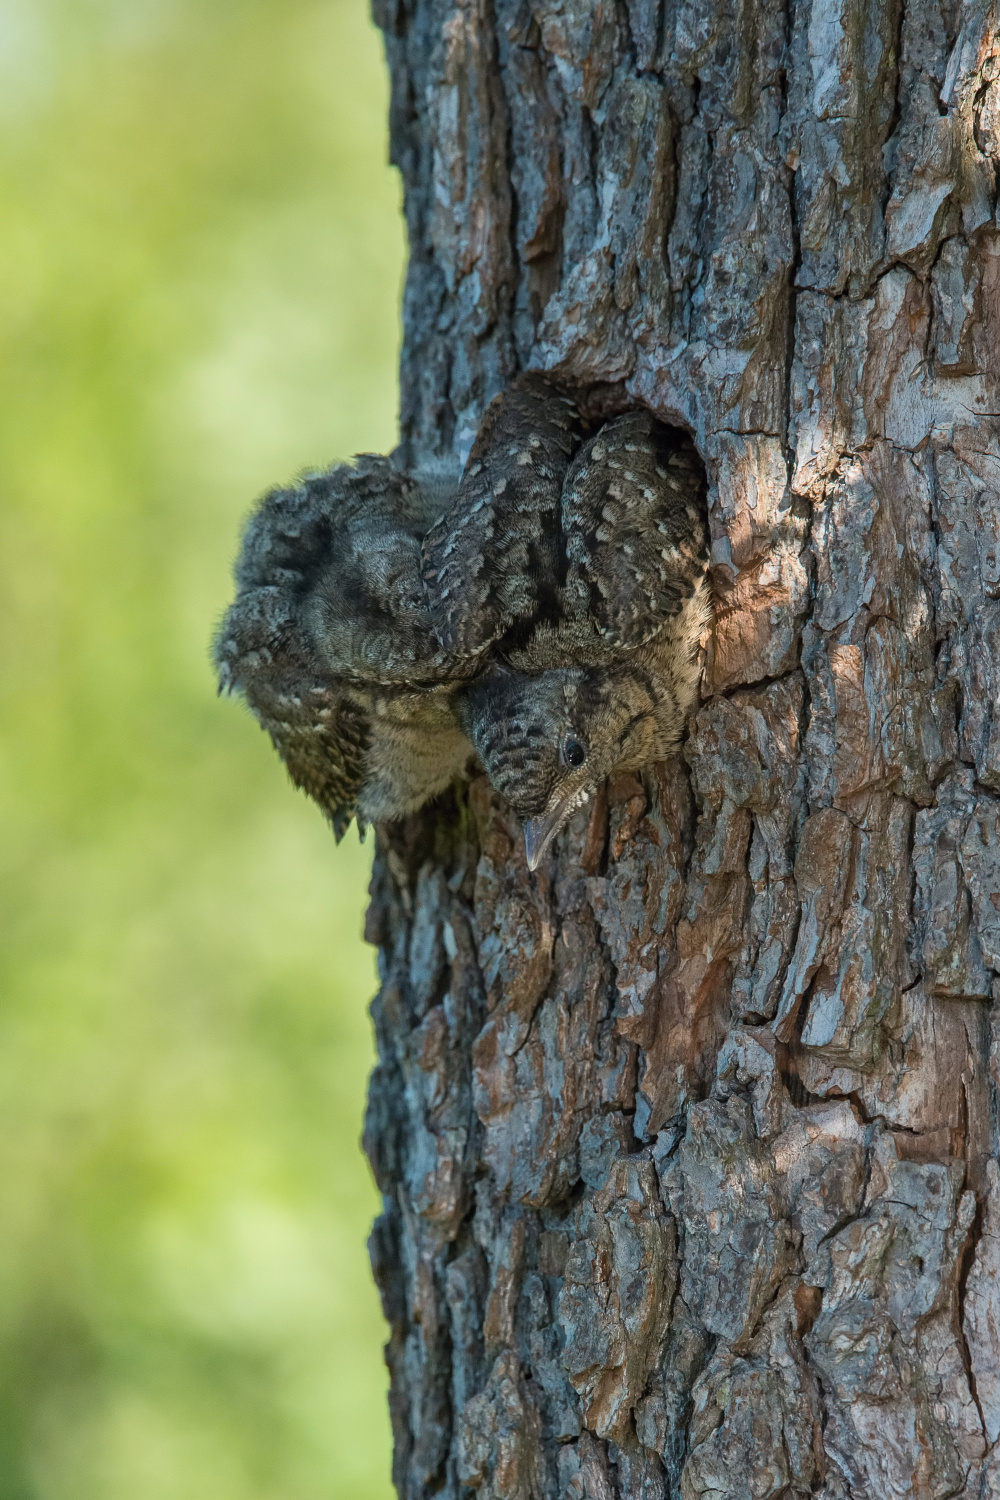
x,y
199,288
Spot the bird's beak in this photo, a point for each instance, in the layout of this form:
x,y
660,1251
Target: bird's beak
x,y
539,832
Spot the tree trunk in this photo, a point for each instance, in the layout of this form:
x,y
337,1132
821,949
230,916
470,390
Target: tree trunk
x,y
687,1144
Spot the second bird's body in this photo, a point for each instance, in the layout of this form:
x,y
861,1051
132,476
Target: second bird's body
x,y
607,685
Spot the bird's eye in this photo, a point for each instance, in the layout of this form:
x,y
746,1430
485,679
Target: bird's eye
x,y
574,753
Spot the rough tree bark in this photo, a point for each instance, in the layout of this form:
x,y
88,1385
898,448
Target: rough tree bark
x,y
688,1145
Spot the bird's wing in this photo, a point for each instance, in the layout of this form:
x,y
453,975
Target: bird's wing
x,y
319,732
492,560
634,528
344,546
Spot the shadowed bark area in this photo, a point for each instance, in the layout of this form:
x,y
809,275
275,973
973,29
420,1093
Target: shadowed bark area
x,y
687,1144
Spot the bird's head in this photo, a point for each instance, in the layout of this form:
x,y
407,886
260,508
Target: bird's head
x,y
548,739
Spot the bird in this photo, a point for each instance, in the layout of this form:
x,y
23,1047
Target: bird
x,y
344,638
605,681
541,613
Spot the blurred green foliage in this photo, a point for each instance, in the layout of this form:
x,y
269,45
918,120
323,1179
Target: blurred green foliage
x,y
199,284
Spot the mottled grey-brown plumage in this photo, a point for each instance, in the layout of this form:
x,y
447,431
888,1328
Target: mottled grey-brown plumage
x,y
633,520
492,561
546,608
330,641
607,685
350,643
